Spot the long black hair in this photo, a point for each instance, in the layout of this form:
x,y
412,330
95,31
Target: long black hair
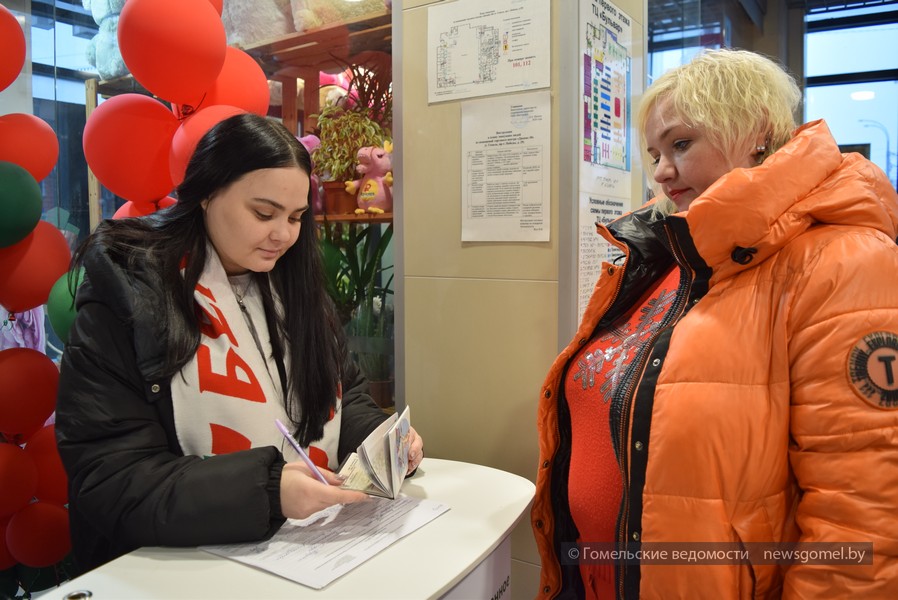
x,y
306,331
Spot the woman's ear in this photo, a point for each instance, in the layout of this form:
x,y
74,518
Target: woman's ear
x,y
762,148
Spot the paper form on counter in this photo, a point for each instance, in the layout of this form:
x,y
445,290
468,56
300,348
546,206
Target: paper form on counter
x,y
318,550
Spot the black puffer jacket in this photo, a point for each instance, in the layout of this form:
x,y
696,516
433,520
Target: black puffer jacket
x,y
130,484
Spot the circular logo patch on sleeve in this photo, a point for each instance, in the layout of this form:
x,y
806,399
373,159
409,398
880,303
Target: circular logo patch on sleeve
x,y
873,369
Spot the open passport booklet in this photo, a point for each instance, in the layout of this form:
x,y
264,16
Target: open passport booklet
x,y
378,466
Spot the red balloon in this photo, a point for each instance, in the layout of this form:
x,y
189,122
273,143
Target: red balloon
x,y
189,133
28,269
134,209
18,479
38,535
127,140
241,83
174,48
52,482
130,209
166,202
217,4
12,48
6,559
29,142
28,395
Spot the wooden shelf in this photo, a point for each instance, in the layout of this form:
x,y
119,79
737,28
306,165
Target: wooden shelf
x,y
303,55
366,218
323,48
126,84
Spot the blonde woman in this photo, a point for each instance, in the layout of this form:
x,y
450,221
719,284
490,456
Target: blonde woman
x,y
734,381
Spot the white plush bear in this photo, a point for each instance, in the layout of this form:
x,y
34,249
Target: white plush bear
x,y
103,51
309,14
249,21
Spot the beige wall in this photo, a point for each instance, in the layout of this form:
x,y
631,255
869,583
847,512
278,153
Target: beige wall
x,y
477,323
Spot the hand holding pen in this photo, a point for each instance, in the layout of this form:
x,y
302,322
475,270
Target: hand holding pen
x,y
301,492
302,454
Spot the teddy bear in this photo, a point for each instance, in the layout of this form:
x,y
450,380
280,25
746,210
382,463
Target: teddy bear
x,y
249,21
103,51
309,14
375,187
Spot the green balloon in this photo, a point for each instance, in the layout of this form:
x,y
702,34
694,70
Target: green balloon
x,y
20,203
60,305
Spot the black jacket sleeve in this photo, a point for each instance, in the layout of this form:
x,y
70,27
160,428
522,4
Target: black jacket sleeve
x,y
129,485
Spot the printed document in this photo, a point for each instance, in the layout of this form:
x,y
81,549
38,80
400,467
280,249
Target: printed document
x,y
329,544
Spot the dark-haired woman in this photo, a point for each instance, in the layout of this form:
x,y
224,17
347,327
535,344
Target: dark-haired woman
x,y
197,327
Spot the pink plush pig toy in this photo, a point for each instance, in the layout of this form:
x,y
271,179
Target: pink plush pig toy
x,y
375,187
311,143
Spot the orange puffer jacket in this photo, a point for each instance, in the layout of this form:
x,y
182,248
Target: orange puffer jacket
x,y
768,411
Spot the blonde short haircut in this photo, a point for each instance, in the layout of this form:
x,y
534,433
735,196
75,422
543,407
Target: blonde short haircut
x,y
731,95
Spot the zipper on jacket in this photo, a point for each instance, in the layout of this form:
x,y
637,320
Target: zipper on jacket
x,y
676,312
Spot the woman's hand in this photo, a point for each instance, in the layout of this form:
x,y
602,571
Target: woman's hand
x,y
415,450
302,495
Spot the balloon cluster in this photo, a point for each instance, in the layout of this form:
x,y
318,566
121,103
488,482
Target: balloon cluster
x,y
135,144
34,259
34,521
33,253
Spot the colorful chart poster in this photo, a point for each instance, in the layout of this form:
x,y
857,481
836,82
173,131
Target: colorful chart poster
x,y
606,46
606,41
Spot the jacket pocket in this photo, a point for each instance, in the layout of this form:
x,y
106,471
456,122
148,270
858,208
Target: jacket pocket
x,y
754,531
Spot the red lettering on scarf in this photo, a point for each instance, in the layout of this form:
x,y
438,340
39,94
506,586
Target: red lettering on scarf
x,y
318,456
228,384
225,440
216,324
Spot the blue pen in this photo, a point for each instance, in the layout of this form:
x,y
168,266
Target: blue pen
x,y
302,454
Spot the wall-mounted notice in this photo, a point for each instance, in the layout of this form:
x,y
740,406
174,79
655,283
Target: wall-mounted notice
x,y
606,48
593,249
506,146
477,48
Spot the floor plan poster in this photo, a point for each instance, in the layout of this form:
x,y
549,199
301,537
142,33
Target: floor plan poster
x,y
478,48
606,40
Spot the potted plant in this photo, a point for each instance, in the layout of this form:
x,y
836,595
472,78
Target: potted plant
x,y
353,264
370,340
361,118
361,288
342,132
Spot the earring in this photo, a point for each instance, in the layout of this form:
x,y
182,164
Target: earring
x,y
760,152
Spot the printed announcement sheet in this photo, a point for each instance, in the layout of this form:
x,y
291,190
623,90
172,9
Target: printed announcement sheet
x,y
505,168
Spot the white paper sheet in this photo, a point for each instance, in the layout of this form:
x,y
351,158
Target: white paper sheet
x,y
506,146
318,550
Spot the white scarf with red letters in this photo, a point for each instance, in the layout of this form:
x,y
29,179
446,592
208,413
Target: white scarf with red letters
x,y
228,396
